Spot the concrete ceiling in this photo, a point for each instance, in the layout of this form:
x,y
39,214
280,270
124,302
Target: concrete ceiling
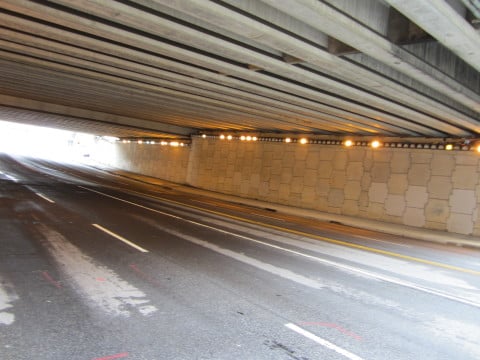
x,y
171,68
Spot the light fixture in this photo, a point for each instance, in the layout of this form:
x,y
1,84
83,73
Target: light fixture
x,y
174,143
111,138
140,141
473,145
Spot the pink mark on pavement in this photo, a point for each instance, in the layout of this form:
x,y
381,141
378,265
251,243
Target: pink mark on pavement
x,y
101,279
333,326
143,275
116,356
47,277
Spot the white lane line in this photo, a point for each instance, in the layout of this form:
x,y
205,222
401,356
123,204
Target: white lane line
x,y
370,274
45,198
323,342
284,273
11,177
121,238
132,203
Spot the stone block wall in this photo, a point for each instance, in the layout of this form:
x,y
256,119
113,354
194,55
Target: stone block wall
x,y
424,188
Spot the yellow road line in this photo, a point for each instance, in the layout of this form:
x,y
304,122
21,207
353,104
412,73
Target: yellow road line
x,y
323,238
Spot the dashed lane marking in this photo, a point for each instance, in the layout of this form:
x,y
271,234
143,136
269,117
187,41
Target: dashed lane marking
x,y
323,342
44,197
121,238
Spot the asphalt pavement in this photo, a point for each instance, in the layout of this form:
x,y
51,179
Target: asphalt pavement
x,y
99,266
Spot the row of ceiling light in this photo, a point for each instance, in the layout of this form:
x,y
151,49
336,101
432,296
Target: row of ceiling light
x,y
463,146
155,142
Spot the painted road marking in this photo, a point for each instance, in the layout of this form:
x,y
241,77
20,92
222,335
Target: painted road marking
x,y
45,198
11,177
323,342
115,296
52,281
295,232
315,258
332,326
111,357
367,273
121,238
275,270
323,238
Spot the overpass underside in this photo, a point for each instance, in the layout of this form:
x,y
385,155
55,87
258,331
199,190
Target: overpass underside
x,y
403,72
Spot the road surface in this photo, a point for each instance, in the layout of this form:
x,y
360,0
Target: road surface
x,y
99,266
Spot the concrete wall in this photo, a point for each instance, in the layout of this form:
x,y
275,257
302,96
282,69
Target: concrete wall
x,y
434,189
164,162
424,188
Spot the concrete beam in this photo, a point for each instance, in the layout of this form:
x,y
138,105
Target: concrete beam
x,y
93,84
250,28
132,17
149,75
473,6
347,30
170,85
440,20
286,91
